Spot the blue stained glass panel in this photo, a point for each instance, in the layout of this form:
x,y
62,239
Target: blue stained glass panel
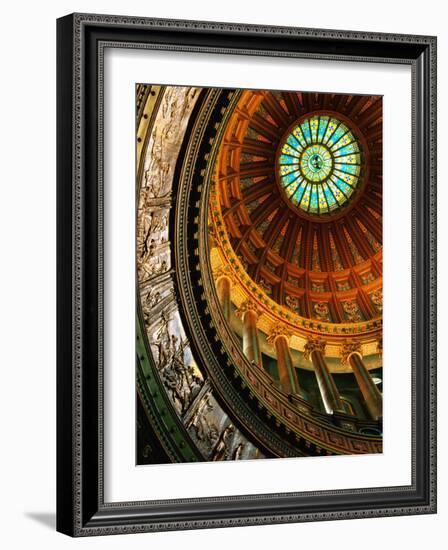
x,y
291,189
322,202
329,195
306,197
339,132
288,150
351,148
313,198
299,193
322,128
297,132
349,159
287,168
293,142
290,177
305,127
348,168
314,125
320,164
351,180
286,159
346,189
338,195
332,125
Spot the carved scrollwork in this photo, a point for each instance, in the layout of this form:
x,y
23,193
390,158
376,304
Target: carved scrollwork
x,y
246,306
348,349
377,299
224,271
180,379
352,311
265,286
322,311
313,344
293,302
222,448
204,429
277,331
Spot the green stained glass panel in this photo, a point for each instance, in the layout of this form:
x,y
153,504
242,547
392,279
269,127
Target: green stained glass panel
x,y
319,165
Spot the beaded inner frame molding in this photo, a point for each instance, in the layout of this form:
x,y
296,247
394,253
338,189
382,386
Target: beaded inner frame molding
x,y
81,507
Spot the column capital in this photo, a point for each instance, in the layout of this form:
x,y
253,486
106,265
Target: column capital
x,y
223,271
349,348
277,331
246,306
313,344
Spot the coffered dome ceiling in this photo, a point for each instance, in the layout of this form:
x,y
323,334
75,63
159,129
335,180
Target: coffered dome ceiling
x,y
299,191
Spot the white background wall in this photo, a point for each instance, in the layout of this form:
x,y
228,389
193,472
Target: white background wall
x,y
27,291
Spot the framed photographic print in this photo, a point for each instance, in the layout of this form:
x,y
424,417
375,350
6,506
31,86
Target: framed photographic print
x,y
246,274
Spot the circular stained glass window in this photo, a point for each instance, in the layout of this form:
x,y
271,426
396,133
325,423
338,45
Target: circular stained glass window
x,y
319,164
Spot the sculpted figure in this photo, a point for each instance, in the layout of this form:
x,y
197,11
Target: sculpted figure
x,y
222,447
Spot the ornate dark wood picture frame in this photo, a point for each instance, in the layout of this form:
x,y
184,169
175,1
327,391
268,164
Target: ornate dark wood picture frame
x,y
82,509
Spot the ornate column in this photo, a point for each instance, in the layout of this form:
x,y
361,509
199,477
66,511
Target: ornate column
x,y
315,351
249,314
223,280
279,338
351,355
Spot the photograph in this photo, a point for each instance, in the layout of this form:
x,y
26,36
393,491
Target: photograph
x,y
288,240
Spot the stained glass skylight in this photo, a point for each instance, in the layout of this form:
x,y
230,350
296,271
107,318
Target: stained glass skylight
x,y
319,164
